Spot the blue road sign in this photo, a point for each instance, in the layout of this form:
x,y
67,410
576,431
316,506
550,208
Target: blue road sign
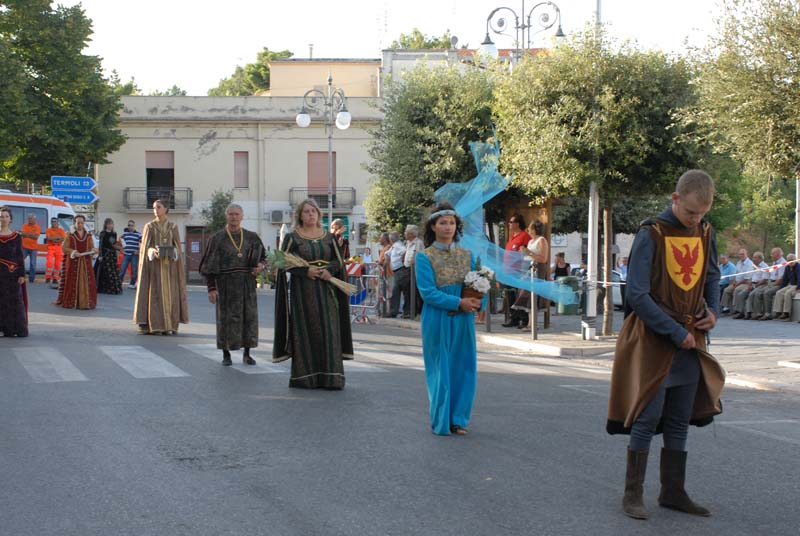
x,y
83,184
76,196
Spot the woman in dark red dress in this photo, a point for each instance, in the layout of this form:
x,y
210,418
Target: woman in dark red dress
x,y
78,287
13,292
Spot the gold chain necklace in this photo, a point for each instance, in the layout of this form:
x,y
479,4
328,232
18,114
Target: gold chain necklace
x,y
241,241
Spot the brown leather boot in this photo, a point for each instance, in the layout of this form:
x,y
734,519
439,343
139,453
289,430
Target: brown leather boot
x,y
632,501
673,475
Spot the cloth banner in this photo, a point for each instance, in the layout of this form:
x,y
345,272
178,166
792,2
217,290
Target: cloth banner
x,y
511,268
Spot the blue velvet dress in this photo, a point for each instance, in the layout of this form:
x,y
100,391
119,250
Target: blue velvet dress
x,y
448,342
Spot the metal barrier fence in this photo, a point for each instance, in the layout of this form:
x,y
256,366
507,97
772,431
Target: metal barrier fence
x,y
372,294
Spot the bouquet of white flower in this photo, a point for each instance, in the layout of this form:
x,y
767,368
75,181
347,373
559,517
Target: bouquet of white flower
x,y
476,283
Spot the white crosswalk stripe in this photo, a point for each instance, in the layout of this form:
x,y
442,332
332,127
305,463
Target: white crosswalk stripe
x,y
141,363
262,366
48,365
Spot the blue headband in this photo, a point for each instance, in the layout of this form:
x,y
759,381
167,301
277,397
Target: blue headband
x,y
446,212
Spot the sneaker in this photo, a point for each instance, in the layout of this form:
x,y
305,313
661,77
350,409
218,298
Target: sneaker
x,y
132,285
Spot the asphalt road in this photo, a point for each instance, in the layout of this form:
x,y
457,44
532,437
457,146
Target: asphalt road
x,y
105,432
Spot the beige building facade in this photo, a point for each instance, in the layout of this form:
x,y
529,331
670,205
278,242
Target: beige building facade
x,y
186,148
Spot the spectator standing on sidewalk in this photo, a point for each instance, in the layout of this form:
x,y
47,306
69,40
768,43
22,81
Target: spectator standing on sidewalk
x,y
516,239
662,374
413,246
30,244
131,239
54,237
396,256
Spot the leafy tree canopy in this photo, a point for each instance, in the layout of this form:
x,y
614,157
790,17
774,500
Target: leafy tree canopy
x,y
418,40
121,89
57,111
251,78
590,112
749,88
431,115
214,213
174,91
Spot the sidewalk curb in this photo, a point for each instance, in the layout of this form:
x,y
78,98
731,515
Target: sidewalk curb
x,y
592,355
542,348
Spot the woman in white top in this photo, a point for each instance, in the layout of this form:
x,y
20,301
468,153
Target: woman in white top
x,y
539,250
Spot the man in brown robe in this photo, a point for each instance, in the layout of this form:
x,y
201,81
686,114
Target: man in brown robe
x,y
663,377
233,258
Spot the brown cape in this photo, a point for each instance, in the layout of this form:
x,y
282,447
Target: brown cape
x,y
643,358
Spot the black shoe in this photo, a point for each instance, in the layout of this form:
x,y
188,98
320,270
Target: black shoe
x,y
511,324
246,359
738,316
226,358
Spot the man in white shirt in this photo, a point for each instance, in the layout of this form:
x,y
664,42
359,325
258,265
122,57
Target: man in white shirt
x,y
759,302
756,280
739,283
397,255
413,246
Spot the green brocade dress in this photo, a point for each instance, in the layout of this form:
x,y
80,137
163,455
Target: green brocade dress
x,y
312,317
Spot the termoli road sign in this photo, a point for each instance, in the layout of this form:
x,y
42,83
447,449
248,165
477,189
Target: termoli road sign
x,y
76,196
72,183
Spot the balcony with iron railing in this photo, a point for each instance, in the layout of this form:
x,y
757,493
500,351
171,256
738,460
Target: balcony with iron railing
x,y
141,199
344,199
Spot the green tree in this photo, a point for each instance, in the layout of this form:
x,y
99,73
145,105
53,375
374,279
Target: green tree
x,y
121,89
418,40
66,110
214,213
431,115
592,112
174,91
251,78
749,101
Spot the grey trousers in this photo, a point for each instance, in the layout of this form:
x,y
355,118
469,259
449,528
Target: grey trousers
x,y
675,404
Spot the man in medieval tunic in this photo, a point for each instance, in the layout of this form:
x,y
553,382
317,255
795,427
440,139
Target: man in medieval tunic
x,y
233,258
663,377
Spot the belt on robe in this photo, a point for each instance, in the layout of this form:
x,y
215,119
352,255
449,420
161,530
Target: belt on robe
x,y
319,263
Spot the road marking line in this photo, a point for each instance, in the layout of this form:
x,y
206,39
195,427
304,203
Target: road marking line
x,y
262,366
390,358
48,365
775,421
518,368
790,364
141,363
582,389
775,437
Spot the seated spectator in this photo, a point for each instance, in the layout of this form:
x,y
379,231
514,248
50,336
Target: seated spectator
x,y
726,268
782,306
759,303
740,283
757,279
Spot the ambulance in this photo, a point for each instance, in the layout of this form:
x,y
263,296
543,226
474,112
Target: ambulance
x,y
43,207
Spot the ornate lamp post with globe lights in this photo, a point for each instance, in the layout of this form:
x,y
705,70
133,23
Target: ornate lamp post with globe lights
x,y
547,15
333,105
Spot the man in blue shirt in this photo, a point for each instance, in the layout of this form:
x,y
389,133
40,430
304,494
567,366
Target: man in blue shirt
x,y
131,238
726,270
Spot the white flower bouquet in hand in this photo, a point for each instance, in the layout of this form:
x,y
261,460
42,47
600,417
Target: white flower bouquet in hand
x,y
476,283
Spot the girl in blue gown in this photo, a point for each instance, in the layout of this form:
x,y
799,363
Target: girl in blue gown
x,y
448,342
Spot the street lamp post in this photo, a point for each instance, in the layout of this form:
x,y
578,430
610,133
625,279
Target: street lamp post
x,y
547,15
334,111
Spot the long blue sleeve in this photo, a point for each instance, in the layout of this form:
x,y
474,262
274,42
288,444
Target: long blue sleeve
x,y
426,284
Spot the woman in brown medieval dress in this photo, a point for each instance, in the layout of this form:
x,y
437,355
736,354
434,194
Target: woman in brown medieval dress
x,y
78,289
160,303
